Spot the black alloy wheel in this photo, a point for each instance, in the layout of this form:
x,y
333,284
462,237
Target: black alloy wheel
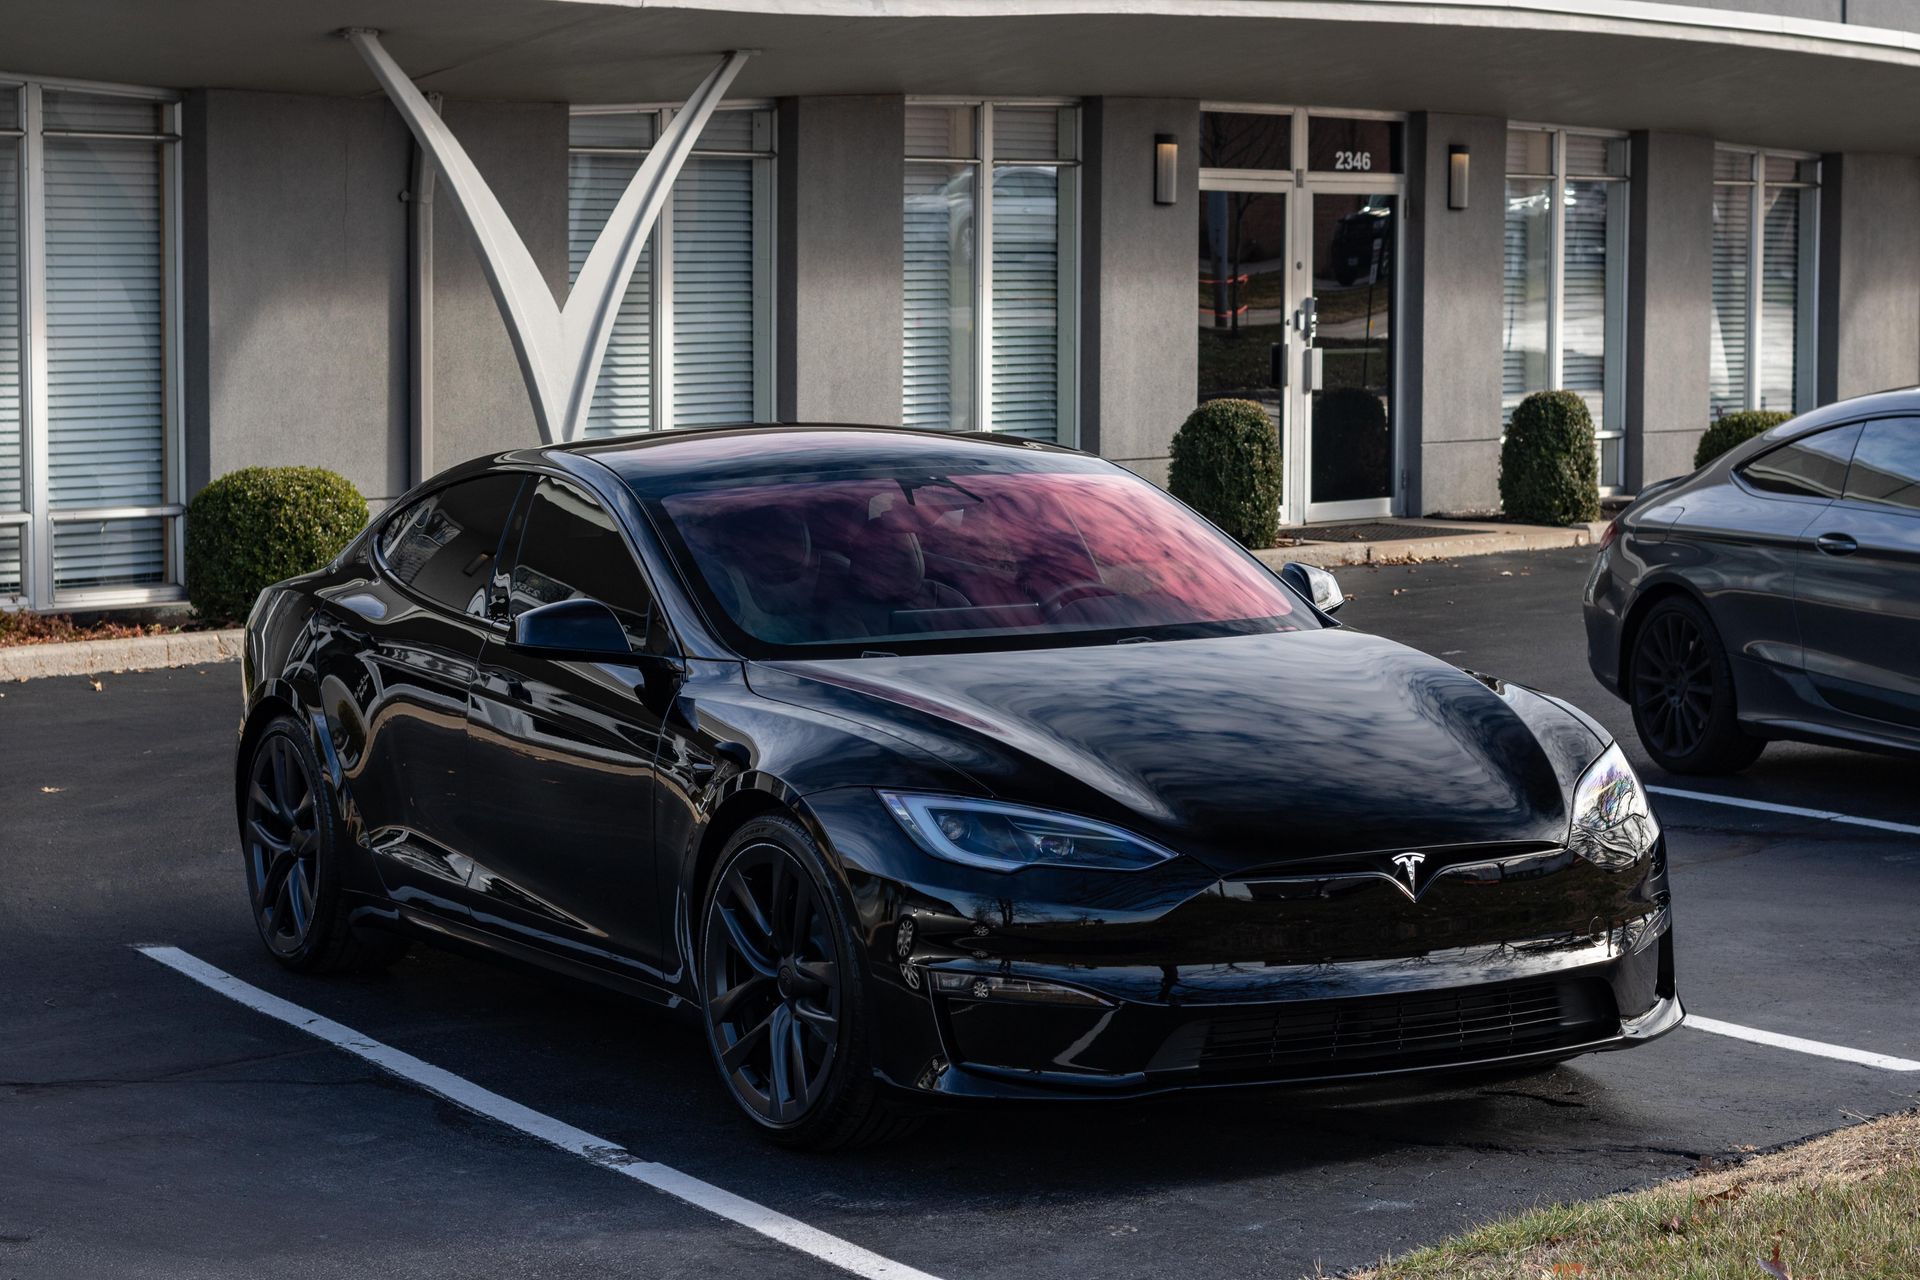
x,y
289,838
1682,693
782,994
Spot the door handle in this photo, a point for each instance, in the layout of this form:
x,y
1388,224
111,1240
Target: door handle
x,y
1836,544
1313,370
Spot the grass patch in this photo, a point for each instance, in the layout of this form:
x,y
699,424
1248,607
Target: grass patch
x,y
1841,1207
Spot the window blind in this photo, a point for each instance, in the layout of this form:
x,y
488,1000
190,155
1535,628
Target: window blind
x,y
106,414
1026,300
1528,247
11,496
1590,295
1732,251
1780,299
937,342
714,289
623,396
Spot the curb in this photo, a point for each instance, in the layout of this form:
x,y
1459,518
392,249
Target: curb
x,y
1416,549
136,653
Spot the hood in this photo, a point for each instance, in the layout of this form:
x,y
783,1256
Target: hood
x,y
1245,752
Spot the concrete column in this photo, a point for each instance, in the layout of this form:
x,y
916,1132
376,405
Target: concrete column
x,y
294,274
1449,415
1669,304
1869,326
1139,346
839,259
480,399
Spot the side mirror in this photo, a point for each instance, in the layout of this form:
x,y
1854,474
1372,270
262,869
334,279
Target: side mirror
x,y
1315,583
584,629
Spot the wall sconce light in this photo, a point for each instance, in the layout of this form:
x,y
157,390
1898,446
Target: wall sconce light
x,y
1459,160
1166,168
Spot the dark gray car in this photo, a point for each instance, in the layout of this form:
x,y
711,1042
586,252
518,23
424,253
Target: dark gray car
x,y
1774,593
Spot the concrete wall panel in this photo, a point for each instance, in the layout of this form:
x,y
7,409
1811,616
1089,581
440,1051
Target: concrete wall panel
x,y
1450,410
296,286
1669,304
1139,374
840,259
1869,330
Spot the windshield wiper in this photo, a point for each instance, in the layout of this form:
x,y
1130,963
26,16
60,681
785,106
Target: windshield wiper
x,y
946,482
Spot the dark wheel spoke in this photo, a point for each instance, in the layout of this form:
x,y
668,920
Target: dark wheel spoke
x,y
743,899
722,1007
780,1036
299,898
745,945
752,1039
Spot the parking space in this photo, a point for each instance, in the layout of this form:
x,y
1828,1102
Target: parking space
x,y
150,1125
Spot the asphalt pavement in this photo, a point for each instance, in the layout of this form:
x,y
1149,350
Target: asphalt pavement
x,y
152,1127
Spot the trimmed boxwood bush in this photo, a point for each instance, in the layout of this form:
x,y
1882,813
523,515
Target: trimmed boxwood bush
x,y
1549,472
1226,465
253,527
1735,429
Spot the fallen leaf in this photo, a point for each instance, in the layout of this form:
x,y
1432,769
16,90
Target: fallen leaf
x,y
1775,1268
1673,1226
1506,573
95,683
51,791
1733,1192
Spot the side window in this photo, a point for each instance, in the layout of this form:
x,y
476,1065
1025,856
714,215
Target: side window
x,y
1812,467
1886,465
571,548
443,546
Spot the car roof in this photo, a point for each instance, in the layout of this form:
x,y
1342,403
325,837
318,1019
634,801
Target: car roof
x,y
761,450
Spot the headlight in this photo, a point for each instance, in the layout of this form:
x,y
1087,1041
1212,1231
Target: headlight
x,y
1009,837
1613,825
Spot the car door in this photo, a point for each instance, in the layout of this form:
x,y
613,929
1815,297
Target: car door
x,y
1858,593
1743,542
562,755
405,652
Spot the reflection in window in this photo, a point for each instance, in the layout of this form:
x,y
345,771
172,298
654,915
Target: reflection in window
x,y
1764,239
1815,467
1886,464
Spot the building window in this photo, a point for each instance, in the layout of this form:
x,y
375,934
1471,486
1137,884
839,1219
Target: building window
x,y
90,451
990,233
693,342
1765,215
1564,275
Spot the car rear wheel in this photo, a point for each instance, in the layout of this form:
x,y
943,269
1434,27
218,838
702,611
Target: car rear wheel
x,y
784,994
289,834
1682,693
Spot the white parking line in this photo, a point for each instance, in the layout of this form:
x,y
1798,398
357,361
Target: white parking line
x,y
463,1092
1818,1048
1766,806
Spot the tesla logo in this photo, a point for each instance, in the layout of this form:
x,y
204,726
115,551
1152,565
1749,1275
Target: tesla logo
x,y
1410,864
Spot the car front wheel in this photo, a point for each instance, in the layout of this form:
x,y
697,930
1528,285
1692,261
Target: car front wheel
x,y
783,991
1682,693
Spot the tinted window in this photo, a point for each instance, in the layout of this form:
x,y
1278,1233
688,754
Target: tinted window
x,y
571,548
1815,467
443,546
913,555
1886,465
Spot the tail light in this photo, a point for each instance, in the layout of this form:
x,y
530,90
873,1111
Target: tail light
x,y
1610,534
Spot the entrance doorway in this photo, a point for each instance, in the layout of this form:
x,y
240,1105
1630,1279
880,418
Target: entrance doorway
x,y
1297,274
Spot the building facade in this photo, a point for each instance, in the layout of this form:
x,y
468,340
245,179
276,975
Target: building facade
x,y
1387,221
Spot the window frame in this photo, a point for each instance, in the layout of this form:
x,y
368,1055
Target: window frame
x,y
1068,247
516,533
1806,358
36,519
765,170
377,533
1613,387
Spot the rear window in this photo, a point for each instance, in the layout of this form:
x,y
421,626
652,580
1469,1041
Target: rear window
x,y
913,560
1814,466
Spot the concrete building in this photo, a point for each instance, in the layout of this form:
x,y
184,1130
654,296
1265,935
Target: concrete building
x,y
1387,220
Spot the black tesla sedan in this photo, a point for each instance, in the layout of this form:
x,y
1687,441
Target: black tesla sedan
x,y
922,764
1774,593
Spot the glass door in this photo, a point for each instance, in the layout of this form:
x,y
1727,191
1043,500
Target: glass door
x,y
1245,300
1346,388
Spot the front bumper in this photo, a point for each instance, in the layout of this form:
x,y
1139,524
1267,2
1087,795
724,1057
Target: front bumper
x,y
1446,1013
1173,978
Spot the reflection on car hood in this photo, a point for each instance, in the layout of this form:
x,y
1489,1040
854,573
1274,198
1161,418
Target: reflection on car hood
x,y
1245,752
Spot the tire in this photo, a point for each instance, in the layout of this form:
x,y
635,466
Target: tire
x,y
292,849
782,968
1680,686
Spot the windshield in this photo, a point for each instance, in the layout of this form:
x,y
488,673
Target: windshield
x,y
916,560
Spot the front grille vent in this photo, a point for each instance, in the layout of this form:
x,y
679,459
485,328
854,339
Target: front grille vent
x,y
1412,1029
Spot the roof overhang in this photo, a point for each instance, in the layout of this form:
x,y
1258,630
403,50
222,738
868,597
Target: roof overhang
x,y
1622,64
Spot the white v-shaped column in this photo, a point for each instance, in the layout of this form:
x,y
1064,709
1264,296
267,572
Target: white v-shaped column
x,y
560,348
